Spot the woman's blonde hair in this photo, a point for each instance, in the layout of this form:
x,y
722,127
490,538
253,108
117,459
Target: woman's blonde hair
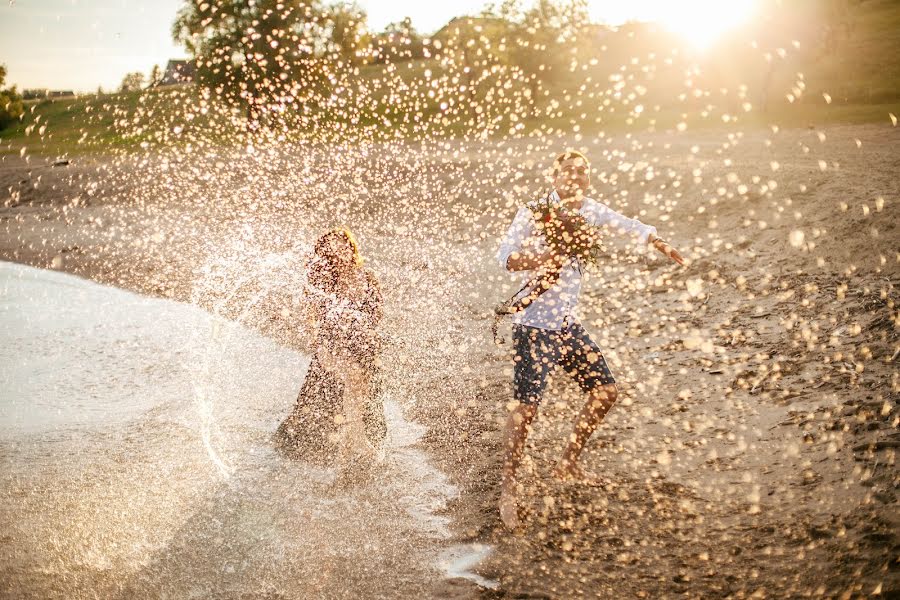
x,y
344,234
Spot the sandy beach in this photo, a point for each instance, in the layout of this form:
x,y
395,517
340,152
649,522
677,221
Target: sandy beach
x,y
752,450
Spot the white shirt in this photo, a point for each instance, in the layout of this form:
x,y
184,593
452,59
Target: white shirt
x,y
552,307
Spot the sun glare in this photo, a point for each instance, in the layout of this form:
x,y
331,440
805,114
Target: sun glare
x,y
701,22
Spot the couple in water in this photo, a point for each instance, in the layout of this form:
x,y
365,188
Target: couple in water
x,y
549,243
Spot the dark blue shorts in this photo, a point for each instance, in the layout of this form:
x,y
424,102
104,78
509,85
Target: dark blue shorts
x,y
538,351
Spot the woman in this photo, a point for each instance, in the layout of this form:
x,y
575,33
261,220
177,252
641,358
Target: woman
x,y
338,417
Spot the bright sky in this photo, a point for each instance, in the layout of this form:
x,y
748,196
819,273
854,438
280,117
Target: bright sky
x,y
80,44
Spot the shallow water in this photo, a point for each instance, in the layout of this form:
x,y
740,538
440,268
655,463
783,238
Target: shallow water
x,y
461,560
136,459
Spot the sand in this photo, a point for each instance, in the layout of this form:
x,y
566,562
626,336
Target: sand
x,y
751,452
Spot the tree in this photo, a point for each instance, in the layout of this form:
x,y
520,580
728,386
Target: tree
x,y
156,76
132,82
11,107
256,54
468,47
347,24
399,42
544,38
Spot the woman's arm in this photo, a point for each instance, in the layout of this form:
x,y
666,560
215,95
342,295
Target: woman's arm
x,y
374,299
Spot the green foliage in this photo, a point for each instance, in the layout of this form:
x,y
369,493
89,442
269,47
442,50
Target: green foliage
x,y
257,55
399,42
543,38
346,28
156,76
104,123
132,82
11,107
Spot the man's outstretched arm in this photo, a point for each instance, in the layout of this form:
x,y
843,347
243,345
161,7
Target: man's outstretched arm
x,y
604,215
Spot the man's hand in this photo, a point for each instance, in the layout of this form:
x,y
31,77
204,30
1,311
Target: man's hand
x,y
667,249
530,261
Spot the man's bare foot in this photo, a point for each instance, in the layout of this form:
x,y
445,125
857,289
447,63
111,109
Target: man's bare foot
x,y
509,510
569,471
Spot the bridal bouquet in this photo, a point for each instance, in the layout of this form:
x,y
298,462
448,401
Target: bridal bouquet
x,y
567,233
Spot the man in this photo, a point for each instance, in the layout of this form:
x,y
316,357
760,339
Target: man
x,y
545,332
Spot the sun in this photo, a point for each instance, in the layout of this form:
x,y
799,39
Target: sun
x,y
702,22
699,22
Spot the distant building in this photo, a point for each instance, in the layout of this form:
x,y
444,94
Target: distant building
x,y
40,94
178,72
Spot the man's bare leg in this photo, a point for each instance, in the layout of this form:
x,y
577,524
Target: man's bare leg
x,y
517,426
599,402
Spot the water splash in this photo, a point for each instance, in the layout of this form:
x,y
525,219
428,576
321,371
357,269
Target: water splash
x,y
213,474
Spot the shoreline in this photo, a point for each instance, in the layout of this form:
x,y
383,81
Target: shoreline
x,y
678,514
225,456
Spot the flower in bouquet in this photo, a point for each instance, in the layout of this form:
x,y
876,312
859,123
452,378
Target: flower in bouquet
x,y
567,233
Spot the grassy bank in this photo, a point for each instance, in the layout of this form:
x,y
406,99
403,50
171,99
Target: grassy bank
x,y
89,125
105,123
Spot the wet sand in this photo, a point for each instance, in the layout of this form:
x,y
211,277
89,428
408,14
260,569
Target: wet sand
x,y
752,448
